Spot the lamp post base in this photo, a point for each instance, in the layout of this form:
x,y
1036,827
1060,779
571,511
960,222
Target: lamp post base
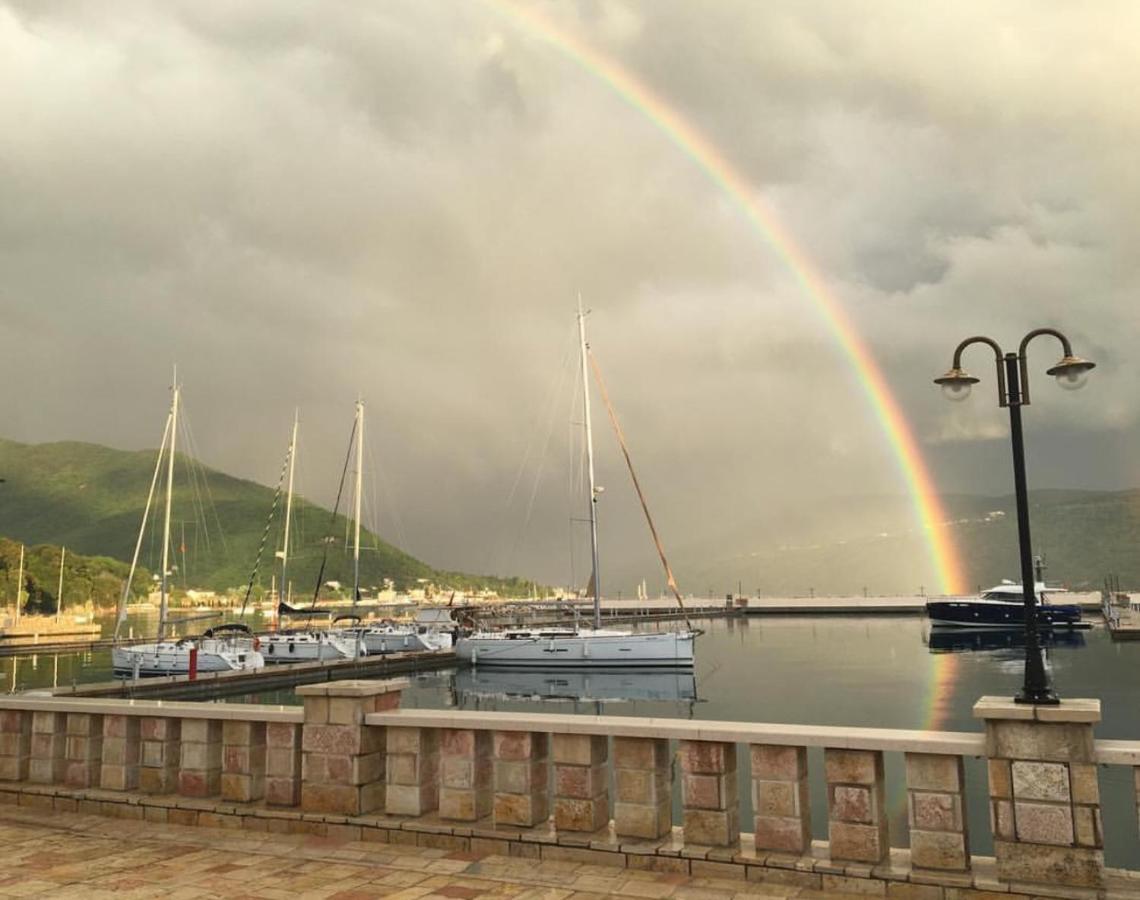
x,y
1037,697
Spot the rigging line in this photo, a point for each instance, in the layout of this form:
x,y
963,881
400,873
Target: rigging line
x,y
122,616
206,485
551,421
669,579
265,533
332,520
193,478
386,496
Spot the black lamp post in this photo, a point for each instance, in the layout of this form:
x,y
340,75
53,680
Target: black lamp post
x,y
1013,392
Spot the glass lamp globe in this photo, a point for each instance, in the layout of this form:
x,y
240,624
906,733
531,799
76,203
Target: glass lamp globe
x,y
1073,379
956,391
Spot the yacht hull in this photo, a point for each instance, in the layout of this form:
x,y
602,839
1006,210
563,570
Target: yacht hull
x,y
967,613
279,649
173,658
559,650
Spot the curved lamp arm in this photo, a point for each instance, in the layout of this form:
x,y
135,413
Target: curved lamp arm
x,y
998,355
1023,363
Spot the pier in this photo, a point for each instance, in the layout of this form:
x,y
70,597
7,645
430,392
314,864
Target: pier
x,y
567,792
210,685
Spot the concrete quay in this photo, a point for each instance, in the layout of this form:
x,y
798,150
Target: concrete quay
x,y
353,766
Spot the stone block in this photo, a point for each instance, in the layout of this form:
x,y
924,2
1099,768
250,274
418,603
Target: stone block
x,y
1043,823
640,753
1041,781
236,733
466,804
857,843
779,798
14,768
411,799
1084,783
575,814
581,782
716,828
199,782
771,762
201,731
641,785
520,777
852,804
282,735
944,850
1087,826
580,749
196,756
931,811
1039,741
647,821
707,757
934,772
853,766
520,745
282,791
241,788
786,834
282,762
526,810
708,791
15,721
1001,819
1001,783
1043,864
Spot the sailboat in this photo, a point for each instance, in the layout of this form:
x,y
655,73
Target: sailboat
x,y
557,648
308,645
222,651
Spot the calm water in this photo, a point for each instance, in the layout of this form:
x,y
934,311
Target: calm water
x,y
888,672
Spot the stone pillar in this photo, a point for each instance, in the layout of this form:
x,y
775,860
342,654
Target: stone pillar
x,y
15,744
708,793
412,767
465,771
520,765
243,761
1044,796
200,762
342,766
120,770
857,815
282,764
581,782
158,771
936,812
49,740
643,801
780,799
84,750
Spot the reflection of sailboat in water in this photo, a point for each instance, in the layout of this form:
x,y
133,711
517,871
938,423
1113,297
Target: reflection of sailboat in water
x,y
592,685
968,640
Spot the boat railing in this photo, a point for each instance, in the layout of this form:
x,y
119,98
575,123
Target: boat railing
x,y
799,805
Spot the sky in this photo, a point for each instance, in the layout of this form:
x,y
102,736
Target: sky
x,y
302,202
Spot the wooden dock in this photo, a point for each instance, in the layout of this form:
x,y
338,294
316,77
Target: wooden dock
x,y
211,685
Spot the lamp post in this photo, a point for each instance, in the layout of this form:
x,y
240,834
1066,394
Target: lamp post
x,y
1013,393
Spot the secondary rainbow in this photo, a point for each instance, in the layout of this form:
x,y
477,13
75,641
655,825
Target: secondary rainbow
x,y
690,141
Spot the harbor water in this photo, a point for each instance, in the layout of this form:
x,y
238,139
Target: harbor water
x,y
878,671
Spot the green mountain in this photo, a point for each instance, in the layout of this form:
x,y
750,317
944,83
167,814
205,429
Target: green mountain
x,y
95,579
91,498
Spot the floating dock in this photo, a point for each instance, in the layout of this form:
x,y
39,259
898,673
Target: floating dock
x,y
211,685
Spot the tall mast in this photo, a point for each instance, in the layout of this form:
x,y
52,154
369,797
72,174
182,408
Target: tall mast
x,y
356,513
166,515
590,465
59,592
289,502
20,584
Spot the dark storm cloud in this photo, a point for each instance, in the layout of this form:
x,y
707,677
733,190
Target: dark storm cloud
x,y
298,202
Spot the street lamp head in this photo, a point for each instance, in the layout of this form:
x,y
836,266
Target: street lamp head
x,y
1072,372
956,384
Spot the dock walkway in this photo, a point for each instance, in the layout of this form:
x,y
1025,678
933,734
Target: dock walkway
x,y
49,854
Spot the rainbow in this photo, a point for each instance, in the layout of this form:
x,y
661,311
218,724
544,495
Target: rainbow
x,y
690,141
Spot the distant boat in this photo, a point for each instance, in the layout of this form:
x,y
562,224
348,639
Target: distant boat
x,y
1003,606
226,648
577,647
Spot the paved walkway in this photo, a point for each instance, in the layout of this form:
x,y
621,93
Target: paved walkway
x,y
52,855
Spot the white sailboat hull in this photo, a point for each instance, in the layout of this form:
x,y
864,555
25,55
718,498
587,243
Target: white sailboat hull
x,y
400,639
173,658
578,649
306,647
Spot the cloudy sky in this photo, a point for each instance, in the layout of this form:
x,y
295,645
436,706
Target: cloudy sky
x,y
299,201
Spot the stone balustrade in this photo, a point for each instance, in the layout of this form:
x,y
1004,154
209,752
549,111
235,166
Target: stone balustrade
x,y
351,763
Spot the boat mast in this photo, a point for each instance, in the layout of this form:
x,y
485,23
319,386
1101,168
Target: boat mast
x,y
166,515
20,584
590,465
289,502
59,593
356,501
